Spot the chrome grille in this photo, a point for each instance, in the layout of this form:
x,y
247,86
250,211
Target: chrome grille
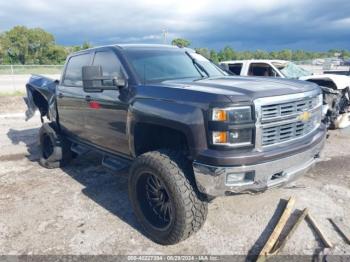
x,y
286,109
286,118
281,133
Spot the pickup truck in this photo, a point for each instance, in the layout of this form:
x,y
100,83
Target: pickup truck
x,y
188,130
336,88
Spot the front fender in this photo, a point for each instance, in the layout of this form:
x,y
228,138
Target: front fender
x,y
185,118
41,95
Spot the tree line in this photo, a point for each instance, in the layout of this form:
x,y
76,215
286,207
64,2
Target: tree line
x,y
228,53
22,45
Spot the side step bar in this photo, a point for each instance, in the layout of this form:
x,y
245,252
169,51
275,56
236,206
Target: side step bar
x,y
79,149
114,163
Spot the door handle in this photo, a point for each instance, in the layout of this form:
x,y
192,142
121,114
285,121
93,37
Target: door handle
x,y
60,95
88,98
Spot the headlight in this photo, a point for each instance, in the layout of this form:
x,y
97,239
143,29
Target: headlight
x,y
234,138
232,114
235,124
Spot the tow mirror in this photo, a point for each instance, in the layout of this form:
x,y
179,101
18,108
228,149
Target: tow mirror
x,y
94,81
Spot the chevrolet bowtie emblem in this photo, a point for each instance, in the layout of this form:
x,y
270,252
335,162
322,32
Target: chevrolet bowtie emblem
x,y
304,116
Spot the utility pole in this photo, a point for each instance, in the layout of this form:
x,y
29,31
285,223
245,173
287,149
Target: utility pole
x,y
165,35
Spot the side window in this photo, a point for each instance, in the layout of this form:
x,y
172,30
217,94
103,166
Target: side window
x,y
235,68
73,75
111,66
261,69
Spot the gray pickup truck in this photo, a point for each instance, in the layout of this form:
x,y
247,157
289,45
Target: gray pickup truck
x,y
188,130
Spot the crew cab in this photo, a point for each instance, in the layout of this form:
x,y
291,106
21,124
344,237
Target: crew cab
x,y
335,87
188,130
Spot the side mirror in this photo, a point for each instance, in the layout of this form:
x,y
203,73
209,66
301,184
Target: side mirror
x,y
94,81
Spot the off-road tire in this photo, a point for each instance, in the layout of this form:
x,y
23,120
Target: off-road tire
x,y
176,174
54,148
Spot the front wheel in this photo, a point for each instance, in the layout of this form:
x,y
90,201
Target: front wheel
x,y
55,149
164,197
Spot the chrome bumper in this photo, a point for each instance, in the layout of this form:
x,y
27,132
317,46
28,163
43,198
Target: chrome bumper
x,y
213,180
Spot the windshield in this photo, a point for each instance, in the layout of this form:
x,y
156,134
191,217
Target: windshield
x,y
291,70
161,65
208,66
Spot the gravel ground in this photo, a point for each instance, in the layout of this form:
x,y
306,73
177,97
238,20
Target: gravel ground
x,y
84,208
9,104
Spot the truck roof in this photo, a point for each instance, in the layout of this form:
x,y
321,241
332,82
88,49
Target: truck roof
x,y
145,46
255,61
132,46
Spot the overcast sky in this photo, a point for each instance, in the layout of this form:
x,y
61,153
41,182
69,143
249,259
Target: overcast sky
x,y
243,24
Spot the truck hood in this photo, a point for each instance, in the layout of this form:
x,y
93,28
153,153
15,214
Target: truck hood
x,y
244,88
341,81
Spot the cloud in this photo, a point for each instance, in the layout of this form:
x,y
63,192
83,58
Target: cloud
x,y
265,24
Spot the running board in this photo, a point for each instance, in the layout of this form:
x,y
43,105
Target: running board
x,y
79,149
115,163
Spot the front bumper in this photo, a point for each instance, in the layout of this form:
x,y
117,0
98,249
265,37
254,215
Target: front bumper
x,y
214,180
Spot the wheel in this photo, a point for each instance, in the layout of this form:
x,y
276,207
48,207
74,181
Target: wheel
x,y
164,197
55,149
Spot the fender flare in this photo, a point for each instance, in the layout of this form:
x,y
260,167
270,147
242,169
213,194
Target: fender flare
x,y
187,119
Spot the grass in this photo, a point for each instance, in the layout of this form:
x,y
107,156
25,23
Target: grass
x,y
35,69
14,93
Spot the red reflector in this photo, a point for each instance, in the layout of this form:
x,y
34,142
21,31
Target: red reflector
x,y
94,105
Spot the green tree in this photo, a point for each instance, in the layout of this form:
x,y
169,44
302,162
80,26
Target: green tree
x,y
23,45
228,53
285,54
56,55
181,42
204,52
261,54
214,56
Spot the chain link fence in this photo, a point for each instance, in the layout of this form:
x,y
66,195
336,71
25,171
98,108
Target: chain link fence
x,y
30,69
13,78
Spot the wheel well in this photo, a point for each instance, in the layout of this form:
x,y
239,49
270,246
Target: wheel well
x,y
40,102
149,137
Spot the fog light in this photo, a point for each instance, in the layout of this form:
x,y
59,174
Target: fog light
x,y
234,178
220,138
238,178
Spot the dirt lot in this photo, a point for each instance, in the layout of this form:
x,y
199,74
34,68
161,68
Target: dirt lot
x,y
9,104
84,208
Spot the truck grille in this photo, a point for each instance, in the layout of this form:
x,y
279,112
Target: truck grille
x,y
281,133
285,109
286,118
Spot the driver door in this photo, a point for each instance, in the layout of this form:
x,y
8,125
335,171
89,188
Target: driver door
x,y
106,112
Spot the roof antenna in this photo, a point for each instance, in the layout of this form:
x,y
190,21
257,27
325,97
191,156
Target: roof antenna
x,y
165,35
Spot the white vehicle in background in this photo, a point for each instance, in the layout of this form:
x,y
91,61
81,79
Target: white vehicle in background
x,y
335,87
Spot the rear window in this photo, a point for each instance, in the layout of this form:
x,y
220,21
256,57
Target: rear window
x,y
235,68
73,75
261,69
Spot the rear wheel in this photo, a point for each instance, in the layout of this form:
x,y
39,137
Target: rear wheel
x,y
55,149
164,197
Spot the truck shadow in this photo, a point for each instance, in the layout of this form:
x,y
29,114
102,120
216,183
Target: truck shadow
x,y
106,188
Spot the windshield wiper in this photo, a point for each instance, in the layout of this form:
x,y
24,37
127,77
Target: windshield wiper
x,y
198,66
